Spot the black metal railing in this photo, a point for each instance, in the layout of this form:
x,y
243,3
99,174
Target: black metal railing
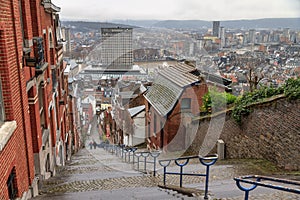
x,y
268,182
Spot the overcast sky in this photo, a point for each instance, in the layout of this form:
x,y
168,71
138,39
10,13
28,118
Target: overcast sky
x,y
105,10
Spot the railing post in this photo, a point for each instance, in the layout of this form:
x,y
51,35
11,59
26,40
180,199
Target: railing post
x,y
145,164
154,167
180,179
154,155
133,154
247,195
246,190
206,182
208,161
164,164
129,151
165,170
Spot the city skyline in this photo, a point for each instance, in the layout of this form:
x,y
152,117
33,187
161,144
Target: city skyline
x,y
107,10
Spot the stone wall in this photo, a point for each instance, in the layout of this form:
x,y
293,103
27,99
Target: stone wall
x,y
271,131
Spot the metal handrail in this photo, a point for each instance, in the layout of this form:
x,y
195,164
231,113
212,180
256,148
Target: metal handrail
x,y
146,155
258,181
206,161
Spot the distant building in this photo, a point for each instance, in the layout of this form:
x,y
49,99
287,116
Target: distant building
x,y
252,36
117,48
216,28
66,36
222,37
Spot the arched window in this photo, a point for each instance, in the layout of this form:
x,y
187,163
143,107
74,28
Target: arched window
x,y
51,44
12,184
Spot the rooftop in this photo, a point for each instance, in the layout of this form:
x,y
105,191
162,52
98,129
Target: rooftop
x,y
50,7
168,87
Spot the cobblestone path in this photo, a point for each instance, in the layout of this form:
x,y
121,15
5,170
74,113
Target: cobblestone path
x,y
87,177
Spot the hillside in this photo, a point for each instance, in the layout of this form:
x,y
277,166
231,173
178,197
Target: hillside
x,y
83,26
272,23
292,23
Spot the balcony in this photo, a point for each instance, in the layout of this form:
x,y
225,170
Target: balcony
x,y
38,60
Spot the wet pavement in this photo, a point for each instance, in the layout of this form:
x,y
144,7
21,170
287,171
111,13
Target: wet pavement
x,y
98,174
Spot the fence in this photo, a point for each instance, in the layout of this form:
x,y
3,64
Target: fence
x,y
267,182
183,161
140,160
147,157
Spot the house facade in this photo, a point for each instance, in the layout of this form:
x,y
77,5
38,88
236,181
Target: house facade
x,y
174,98
35,130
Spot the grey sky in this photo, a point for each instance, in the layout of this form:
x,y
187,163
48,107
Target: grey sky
x,y
104,10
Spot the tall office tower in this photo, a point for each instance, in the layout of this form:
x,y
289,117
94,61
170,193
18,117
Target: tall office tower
x,y
216,28
286,34
252,36
222,36
116,50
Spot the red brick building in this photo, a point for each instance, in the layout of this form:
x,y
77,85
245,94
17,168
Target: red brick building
x,y
175,96
172,101
35,134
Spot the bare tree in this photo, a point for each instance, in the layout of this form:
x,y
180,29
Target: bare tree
x,y
254,75
252,65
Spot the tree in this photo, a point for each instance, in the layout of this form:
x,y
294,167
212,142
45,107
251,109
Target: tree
x,y
252,64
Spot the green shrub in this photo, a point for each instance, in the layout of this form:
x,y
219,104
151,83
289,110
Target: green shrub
x,y
291,89
215,101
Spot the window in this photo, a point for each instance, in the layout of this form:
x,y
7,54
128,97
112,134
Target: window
x,y
41,104
186,103
12,185
2,111
51,44
154,124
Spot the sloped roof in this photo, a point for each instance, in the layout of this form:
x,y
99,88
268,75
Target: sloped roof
x,y
184,68
168,87
163,95
136,110
182,79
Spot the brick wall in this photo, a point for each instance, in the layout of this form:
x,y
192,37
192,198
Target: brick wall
x,y
17,153
271,131
174,125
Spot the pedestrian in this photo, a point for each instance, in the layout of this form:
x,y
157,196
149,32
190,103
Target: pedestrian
x,y
91,144
95,144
